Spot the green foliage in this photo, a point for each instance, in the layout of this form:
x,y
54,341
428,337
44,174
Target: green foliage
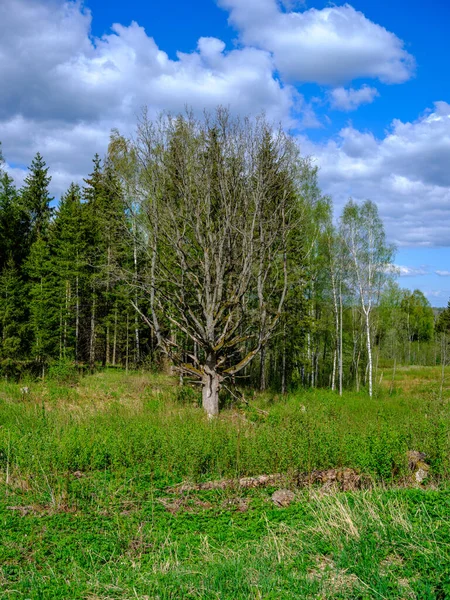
x,y
443,323
188,395
85,510
64,371
419,316
35,198
129,423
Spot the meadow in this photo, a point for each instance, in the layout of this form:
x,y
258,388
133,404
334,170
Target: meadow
x,y
89,505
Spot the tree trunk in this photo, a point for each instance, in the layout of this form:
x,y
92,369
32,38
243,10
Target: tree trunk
x,y
127,346
115,337
283,363
340,344
92,337
333,374
211,386
66,315
106,359
60,333
369,351
77,321
137,355
262,370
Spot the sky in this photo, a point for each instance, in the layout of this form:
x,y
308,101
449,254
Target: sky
x,y
363,87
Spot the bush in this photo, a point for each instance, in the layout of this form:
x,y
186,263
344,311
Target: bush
x,y
64,372
188,395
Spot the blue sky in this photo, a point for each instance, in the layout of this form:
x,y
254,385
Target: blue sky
x,y
363,86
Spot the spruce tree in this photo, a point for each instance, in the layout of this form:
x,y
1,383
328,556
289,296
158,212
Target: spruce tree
x,y
68,265
36,199
13,321
13,227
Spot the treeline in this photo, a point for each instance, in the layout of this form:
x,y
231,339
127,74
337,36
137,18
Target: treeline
x,y
59,299
76,281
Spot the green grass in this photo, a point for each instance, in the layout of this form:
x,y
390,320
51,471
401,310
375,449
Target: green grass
x,y
85,511
127,544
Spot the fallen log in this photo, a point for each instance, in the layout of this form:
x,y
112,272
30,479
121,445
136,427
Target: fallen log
x,y
224,484
345,479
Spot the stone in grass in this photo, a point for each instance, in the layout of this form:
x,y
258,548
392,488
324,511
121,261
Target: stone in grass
x,y
283,498
418,466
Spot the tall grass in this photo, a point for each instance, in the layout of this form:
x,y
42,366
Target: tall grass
x,y
113,422
85,512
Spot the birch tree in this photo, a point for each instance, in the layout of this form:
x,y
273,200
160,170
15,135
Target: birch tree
x,y
370,262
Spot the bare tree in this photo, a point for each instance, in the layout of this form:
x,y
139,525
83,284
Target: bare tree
x,y
214,201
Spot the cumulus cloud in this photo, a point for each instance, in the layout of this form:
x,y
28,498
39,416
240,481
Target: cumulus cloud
x,y
62,91
331,46
406,173
350,99
411,271
443,273
52,69
436,294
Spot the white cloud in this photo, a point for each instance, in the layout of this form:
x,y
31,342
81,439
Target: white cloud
x,y
62,91
349,99
411,271
406,173
331,46
435,294
443,273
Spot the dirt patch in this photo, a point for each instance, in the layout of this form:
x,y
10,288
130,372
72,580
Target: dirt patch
x,y
42,509
184,504
240,504
334,581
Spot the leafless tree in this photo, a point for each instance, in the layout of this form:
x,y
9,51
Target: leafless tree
x,y
214,202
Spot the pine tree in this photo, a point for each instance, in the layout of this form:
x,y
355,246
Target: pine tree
x,y
443,322
13,322
36,199
13,224
105,221
68,264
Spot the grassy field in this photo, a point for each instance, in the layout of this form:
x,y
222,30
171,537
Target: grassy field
x,y
87,509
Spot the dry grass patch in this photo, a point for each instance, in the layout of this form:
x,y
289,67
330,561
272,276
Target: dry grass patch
x,y
333,581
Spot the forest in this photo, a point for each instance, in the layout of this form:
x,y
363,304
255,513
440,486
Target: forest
x,y
215,223
204,246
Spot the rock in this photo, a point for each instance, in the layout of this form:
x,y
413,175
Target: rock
x,y
418,466
414,457
283,498
340,479
420,475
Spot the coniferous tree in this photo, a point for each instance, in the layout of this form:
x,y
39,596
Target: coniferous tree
x,y
13,320
36,199
106,249
13,224
443,322
68,259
